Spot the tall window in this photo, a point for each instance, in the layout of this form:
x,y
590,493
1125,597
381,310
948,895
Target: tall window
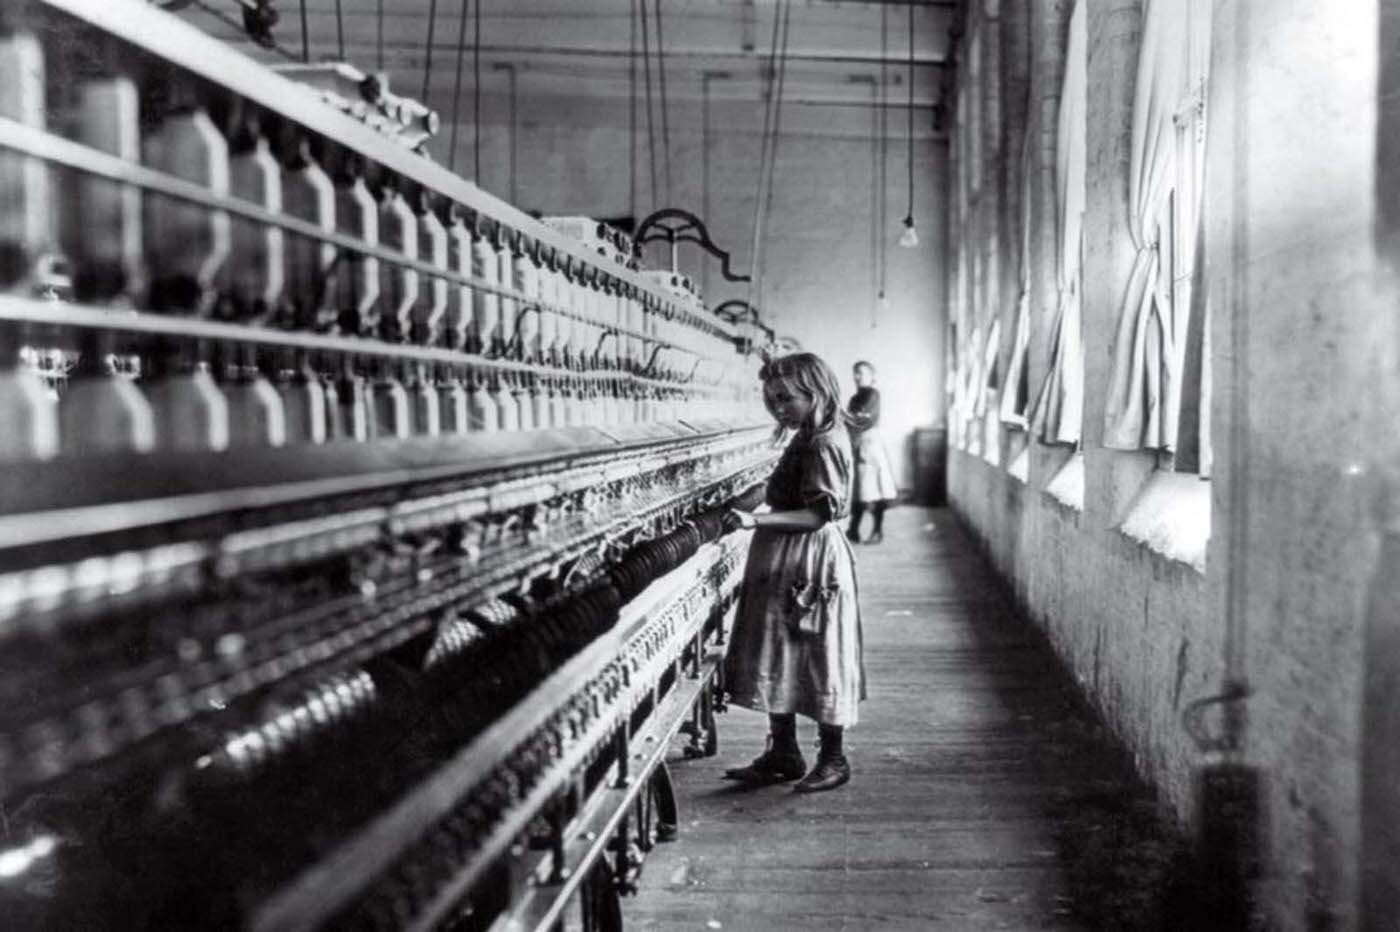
x,y
1058,413
1190,310
1159,385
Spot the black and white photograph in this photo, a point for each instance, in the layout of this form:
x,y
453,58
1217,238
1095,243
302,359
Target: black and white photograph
x,y
699,465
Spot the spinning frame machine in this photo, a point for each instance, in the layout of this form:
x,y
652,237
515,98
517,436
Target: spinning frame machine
x,y
360,547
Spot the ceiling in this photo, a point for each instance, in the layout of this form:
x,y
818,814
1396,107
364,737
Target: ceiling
x,y
591,47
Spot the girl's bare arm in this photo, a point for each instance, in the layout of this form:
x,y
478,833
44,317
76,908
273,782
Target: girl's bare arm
x,y
801,519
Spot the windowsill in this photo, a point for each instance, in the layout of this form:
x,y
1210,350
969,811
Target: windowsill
x,y
1171,517
1067,487
1020,467
991,440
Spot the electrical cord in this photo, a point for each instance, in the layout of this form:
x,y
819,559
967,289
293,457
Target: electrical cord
x,y
428,51
882,215
476,92
632,112
457,87
305,36
763,155
777,114
909,214
665,120
646,67
782,21
340,29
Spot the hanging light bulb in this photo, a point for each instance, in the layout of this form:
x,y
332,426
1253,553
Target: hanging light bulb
x,y
910,237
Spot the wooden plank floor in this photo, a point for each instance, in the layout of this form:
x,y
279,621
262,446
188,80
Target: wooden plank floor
x,y
984,795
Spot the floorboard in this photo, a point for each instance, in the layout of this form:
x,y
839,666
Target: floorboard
x,y
985,795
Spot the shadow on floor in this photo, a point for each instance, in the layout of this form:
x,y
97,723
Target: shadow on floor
x,y
1126,863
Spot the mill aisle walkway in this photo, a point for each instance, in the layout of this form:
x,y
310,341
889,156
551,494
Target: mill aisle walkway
x,y
985,794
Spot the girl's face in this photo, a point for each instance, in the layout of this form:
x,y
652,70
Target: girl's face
x,y
789,406
864,376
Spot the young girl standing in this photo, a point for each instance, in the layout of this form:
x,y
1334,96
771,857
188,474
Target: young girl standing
x,y
875,487
796,644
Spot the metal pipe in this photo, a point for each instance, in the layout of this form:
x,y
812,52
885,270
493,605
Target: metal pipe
x,y
577,51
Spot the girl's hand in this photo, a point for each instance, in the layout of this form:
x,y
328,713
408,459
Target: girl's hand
x,y
736,520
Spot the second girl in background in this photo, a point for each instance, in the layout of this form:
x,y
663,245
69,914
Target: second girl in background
x,y
874,486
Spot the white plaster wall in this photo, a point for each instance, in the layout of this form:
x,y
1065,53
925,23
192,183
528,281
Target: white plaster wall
x,y
819,287
1304,339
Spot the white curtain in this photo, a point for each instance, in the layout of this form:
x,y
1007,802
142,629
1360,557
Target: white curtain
x,y
1015,392
987,378
967,380
1145,384
989,384
1058,412
962,377
1193,449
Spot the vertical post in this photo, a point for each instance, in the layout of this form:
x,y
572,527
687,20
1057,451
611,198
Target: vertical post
x,y
698,648
620,750
1380,755
622,870
558,872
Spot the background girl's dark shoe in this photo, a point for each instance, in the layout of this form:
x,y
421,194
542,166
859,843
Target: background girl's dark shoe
x,y
828,774
853,536
876,538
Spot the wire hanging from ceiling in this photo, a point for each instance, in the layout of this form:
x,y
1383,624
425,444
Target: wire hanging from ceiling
x,y
476,93
910,111
909,238
651,128
772,117
875,194
770,75
340,30
882,209
665,119
777,114
305,36
632,112
457,86
428,50
379,35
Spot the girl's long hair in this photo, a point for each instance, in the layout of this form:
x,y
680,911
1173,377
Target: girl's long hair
x,y
808,373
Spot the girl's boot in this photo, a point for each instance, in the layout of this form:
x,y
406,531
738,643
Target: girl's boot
x,y
782,760
832,769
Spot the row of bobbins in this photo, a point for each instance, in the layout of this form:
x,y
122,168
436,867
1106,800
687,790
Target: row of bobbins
x,y
111,242
326,240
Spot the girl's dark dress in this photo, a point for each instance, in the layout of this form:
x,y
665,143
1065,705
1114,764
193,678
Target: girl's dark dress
x,y
796,645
